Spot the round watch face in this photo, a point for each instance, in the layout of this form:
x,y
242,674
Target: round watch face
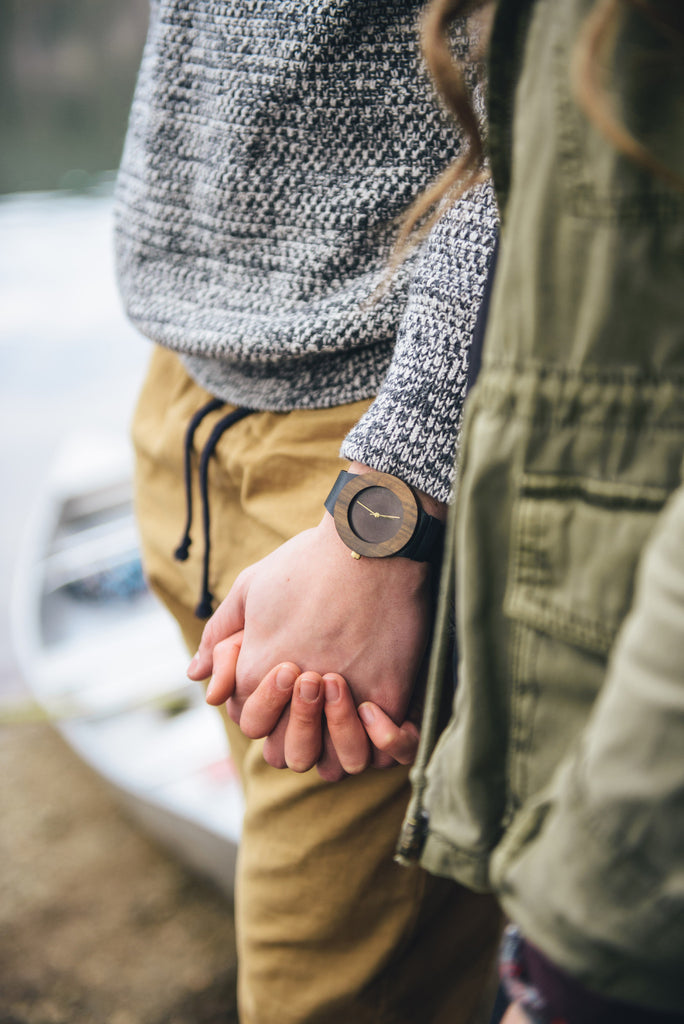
x,y
376,514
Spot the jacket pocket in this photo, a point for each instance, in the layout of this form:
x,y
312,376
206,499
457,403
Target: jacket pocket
x,y
575,547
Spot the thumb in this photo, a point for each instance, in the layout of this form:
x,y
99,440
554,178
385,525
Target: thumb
x,y
228,619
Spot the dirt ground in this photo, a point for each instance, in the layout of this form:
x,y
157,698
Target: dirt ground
x,y
97,925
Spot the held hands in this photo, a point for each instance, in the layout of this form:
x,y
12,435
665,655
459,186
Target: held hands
x,y
310,697
309,605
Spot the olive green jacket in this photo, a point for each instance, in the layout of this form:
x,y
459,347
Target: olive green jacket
x,y
559,781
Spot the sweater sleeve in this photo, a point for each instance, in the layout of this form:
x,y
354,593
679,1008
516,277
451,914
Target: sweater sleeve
x,y
411,430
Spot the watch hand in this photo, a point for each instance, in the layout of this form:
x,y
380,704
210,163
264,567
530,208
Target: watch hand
x,y
378,515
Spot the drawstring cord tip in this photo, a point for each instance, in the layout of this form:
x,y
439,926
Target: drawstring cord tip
x,y
204,609
181,552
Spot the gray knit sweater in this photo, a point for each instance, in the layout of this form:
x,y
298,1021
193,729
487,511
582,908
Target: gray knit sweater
x,y
272,145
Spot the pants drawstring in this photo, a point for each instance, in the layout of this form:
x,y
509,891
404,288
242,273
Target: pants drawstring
x,y
205,606
181,552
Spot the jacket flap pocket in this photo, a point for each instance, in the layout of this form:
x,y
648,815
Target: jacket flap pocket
x,y
575,547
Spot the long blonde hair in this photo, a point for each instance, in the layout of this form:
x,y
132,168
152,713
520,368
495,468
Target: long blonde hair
x,y
592,56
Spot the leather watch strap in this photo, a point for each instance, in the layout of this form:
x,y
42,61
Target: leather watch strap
x,y
426,543
342,479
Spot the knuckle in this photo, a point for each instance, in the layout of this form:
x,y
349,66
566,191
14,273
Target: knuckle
x,y
335,716
272,699
246,683
384,740
222,655
304,715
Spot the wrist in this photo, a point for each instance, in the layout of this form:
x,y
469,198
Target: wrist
x,y
395,575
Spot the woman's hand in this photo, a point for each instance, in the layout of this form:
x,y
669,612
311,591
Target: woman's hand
x,y
297,711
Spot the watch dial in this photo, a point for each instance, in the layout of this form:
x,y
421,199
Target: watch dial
x,y
375,514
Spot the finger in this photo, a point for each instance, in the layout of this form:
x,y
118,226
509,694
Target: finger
x,y
303,738
398,741
381,760
346,731
233,710
222,683
328,766
263,708
274,744
515,1015
228,619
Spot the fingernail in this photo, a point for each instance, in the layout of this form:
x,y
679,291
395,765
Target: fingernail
x,y
309,689
332,691
285,678
366,714
209,693
193,664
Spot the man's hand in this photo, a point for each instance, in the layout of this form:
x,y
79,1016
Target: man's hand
x,y
311,604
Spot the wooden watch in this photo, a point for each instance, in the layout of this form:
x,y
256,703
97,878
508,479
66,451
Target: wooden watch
x,y
378,515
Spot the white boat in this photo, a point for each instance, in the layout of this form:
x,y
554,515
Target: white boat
x,y
105,663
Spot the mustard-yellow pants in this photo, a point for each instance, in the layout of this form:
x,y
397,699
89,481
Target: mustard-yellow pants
x,y
330,930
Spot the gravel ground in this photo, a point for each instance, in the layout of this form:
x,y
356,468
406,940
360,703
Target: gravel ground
x,y
97,925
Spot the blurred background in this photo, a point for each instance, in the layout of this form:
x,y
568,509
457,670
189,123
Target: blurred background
x,y
69,358
97,922
67,69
